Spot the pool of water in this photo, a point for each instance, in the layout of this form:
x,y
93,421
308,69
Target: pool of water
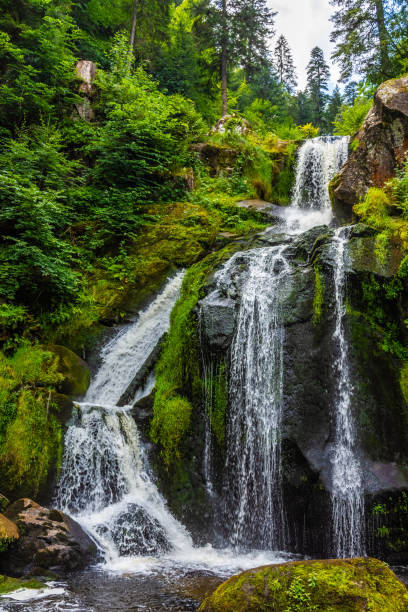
x,y
141,583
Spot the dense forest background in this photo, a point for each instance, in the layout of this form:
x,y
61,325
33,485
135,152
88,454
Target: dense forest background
x,y
93,213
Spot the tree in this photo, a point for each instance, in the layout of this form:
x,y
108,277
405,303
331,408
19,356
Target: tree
x,y
333,108
318,76
252,27
370,37
284,63
351,92
241,30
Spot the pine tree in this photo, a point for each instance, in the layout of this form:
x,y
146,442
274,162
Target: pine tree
x,y
318,76
333,108
351,92
284,63
251,27
362,38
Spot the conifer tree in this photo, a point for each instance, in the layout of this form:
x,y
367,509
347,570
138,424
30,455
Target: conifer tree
x,y
318,76
333,108
252,27
284,65
362,38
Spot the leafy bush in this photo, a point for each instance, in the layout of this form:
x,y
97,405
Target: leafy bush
x,y
352,117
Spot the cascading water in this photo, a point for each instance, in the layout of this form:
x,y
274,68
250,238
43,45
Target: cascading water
x,y
319,160
256,378
256,385
347,489
105,480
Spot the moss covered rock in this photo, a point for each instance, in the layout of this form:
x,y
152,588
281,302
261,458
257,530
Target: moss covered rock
x,y
342,585
74,370
12,584
8,532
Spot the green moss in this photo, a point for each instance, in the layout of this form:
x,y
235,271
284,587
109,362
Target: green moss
x,y
219,396
333,586
12,584
178,381
318,296
30,433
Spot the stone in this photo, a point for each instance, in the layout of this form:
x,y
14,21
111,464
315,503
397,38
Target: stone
x,y
382,147
341,585
8,532
86,71
74,369
220,160
49,539
232,123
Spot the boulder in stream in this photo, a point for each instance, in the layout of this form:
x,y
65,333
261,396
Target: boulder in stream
x,y
345,585
48,540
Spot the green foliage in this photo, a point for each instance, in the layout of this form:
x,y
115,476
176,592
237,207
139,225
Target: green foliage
x,y
352,117
318,296
30,434
177,372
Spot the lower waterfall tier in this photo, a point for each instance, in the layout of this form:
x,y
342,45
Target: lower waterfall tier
x,y
197,488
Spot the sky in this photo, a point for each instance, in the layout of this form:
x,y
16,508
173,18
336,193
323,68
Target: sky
x,y
305,23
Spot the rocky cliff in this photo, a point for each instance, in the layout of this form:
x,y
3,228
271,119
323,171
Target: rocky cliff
x,y
382,144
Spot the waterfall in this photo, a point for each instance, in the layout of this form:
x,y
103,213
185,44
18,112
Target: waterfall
x,y
253,464
319,159
347,485
252,492
105,480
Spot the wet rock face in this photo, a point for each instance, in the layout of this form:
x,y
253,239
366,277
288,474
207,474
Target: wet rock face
x,y
309,386
49,539
383,144
348,585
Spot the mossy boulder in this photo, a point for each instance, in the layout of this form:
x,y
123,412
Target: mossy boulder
x,y
74,370
341,585
7,584
8,532
383,144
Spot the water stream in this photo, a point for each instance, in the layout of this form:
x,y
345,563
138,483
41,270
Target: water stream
x,y
347,487
256,386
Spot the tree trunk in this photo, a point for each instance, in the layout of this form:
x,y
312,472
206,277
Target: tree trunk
x,y
133,30
383,35
224,60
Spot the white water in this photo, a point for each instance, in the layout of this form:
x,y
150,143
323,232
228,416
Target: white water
x,y
106,482
319,160
126,353
256,385
347,485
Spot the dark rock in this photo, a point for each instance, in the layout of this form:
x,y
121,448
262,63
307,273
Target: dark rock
x,y
49,539
382,146
136,533
218,159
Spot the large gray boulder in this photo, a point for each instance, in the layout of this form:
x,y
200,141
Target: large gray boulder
x,y
49,540
382,146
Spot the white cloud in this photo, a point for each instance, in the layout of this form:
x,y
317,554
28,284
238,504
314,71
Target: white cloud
x,y
305,23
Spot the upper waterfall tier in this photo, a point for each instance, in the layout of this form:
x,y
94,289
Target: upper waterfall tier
x,y
319,160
